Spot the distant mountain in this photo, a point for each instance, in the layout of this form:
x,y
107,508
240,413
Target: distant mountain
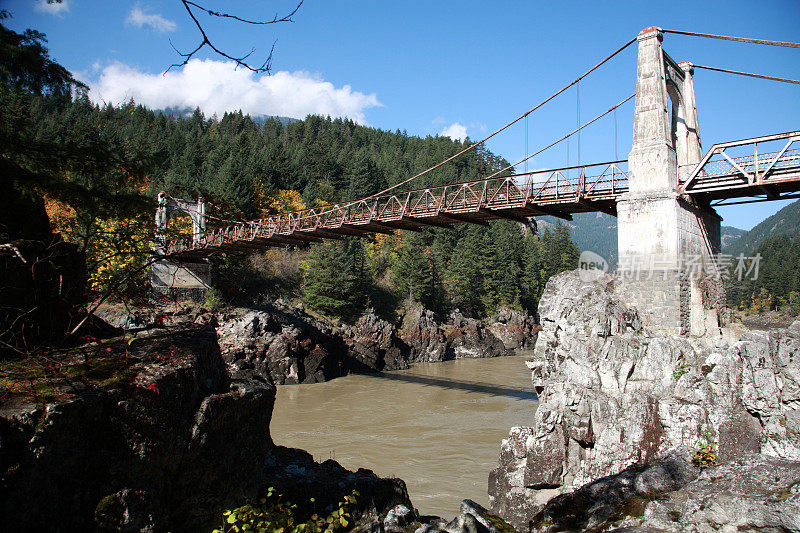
x,y
784,222
598,232
590,231
730,234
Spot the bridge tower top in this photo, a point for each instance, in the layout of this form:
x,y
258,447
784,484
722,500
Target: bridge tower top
x,y
168,205
666,134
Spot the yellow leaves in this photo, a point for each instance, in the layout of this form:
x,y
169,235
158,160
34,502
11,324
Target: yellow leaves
x,y
62,216
283,201
119,247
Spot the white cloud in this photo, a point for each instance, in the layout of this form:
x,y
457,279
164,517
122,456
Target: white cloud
x,y
137,17
217,87
455,131
51,8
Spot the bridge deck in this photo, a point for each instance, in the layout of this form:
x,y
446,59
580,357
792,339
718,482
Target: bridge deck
x,y
719,176
517,197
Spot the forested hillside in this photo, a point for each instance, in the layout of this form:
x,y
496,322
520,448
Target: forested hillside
x,y
246,169
777,280
784,222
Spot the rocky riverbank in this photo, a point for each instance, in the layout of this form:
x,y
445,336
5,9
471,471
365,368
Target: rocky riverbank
x,y
282,343
152,433
627,418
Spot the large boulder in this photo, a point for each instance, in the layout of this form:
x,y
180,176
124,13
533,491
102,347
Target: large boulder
x,y
469,338
516,329
281,344
373,345
160,447
606,501
755,492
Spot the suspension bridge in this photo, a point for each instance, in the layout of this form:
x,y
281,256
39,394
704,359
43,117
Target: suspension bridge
x,y
663,195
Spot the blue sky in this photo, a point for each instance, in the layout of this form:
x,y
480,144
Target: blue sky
x,y
434,67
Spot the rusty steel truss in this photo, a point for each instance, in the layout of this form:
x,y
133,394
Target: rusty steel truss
x,y
559,192
736,169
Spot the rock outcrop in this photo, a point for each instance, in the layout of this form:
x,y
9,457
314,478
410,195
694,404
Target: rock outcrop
x,y
281,343
373,345
159,449
472,518
612,396
755,492
420,331
163,444
517,330
461,337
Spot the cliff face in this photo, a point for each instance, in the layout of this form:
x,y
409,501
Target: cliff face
x,y
612,396
162,450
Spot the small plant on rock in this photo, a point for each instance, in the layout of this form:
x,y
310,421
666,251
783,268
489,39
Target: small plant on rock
x,y
681,368
706,453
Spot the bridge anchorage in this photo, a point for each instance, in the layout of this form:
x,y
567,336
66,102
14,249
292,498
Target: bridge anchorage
x,y
663,196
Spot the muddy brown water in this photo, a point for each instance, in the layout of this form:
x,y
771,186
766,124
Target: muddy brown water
x,y
438,426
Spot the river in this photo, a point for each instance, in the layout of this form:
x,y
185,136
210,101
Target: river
x,y
438,426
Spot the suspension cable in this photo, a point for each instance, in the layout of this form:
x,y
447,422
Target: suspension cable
x,y
567,136
740,39
534,108
761,76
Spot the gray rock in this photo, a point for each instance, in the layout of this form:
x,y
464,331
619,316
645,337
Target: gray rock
x,y
281,344
469,338
376,526
427,528
420,331
753,493
611,396
373,343
397,518
515,329
607,500
490,521
465,523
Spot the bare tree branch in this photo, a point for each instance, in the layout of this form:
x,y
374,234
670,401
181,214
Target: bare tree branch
x,y
205,41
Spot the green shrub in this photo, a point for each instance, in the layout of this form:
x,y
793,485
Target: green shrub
x,y
706,453
272,515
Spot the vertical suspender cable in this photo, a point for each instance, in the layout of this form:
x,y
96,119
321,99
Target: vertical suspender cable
x,y
531,110
526,142
616,155
578,122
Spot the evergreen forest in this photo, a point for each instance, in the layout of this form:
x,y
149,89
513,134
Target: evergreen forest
x,y
99,168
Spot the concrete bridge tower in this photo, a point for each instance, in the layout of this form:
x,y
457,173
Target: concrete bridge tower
x,y
179,280
667,242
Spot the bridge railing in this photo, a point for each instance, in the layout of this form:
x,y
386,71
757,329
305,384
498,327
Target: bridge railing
x,y
605,181
723,167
